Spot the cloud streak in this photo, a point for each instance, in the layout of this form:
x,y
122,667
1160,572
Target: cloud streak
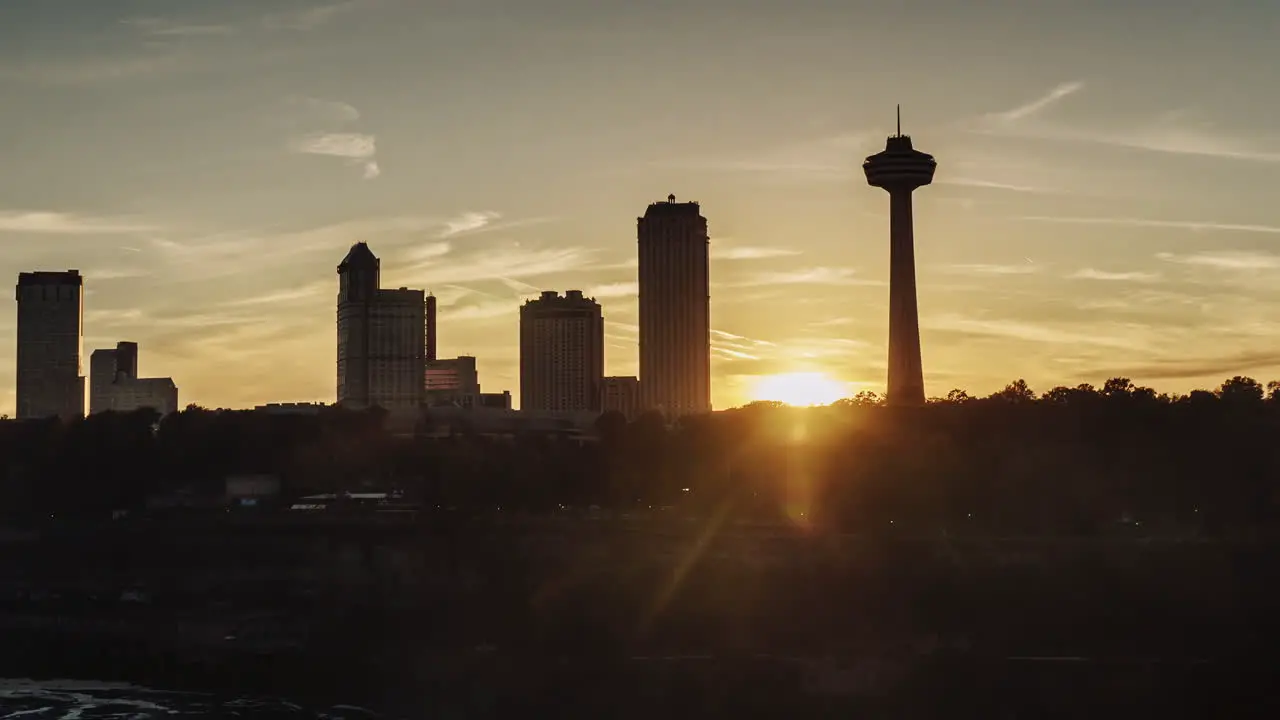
x,y
1027,268
281,297
512,263
1030,332
356,148
90,71
1194,226
1107,276
969,182
161,27
750,253
60,223
315,16
1238,260
469,222
1168,133
1039,104
615,290
1184,368
807,276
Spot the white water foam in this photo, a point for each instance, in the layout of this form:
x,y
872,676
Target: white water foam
x,y
26,699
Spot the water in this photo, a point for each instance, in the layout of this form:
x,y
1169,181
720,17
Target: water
x,y
78,700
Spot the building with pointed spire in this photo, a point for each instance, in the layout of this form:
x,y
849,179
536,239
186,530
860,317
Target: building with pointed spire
x,y
381,337
899,169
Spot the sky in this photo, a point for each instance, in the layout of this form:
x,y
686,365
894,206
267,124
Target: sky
x,y
1104,202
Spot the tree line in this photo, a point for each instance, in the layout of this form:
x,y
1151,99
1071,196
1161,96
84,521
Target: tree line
x,y
1071,461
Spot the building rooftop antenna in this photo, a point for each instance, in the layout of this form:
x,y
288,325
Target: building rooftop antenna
x,y
899,121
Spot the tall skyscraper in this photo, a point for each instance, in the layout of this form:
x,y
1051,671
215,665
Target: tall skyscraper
x,y
900,169
50,337
114,383
561,353
381,337
675,308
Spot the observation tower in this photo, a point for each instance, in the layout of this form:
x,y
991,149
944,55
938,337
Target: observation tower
x,y
899,170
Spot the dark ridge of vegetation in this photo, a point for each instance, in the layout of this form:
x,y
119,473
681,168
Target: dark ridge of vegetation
x,y
1073,461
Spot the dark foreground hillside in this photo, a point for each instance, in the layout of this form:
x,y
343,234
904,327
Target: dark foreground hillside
x,y
629,619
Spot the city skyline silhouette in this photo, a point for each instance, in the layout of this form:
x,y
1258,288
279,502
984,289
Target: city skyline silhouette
x,y
1088,224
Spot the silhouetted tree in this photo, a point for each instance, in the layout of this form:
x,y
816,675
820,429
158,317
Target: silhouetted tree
x,y
1072,461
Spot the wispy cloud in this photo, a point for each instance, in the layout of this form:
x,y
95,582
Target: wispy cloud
x,y
281,297
733,354
824,158
799,169
469,222
722,336
19,221
1182,368
427,251
315,16
742,252
225,253
357,148
517,286
1018,330
161,27
1104,275
614,290
510,263
994,185
808,276
1194,226
1039,104
1226,260
138,317
1026,268
1170,132
629,328
89,71
831,322
484,309
113,273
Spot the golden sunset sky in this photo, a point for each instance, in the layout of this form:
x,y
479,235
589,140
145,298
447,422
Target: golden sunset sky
x,y
1105,200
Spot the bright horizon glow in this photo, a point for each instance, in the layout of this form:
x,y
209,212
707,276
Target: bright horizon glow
x,y
801,389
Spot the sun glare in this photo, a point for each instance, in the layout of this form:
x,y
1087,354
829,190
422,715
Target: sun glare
x,y
800,388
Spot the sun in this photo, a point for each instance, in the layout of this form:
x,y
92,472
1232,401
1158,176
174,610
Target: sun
x,y
800,388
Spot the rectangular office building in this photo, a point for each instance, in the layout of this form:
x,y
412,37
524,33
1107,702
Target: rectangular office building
x,y
50,380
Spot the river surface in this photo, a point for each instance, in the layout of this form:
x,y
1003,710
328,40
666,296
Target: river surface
x,y
77,700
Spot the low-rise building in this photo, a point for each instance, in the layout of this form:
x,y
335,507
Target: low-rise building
x,y
293,408
114,384
620,394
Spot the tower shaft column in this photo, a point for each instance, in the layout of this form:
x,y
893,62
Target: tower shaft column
x,y
906,375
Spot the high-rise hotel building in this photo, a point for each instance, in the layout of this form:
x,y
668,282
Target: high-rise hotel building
x,y
381,337
561,353
50,340
675,308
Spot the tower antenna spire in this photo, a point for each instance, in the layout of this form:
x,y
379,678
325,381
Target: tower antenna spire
x,y
899,120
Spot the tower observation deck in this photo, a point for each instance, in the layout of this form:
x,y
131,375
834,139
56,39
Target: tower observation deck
x,y
899,169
